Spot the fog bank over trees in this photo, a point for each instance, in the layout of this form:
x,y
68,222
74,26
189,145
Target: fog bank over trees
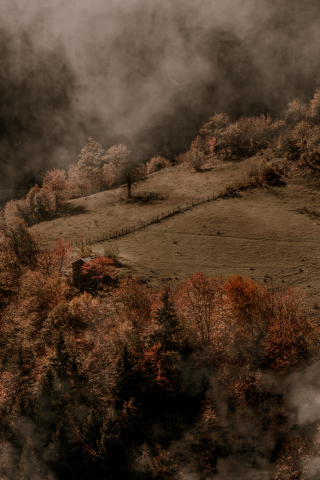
x,y
145,74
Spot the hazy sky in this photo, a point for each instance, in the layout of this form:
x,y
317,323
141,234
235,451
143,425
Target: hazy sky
x,y
145,73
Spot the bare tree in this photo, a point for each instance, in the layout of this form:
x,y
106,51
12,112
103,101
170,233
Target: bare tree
x,y
132,173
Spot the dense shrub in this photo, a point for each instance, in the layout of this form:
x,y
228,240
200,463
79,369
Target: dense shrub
x,y
216,123
96,170
112,251
54,261
302,136
300,133
211,131
315,107
56,181
267,172
117,155
108,176
297,111
193,158
199,302
17,241
91,155
199,143
241,138
196,159
84,250
41,203
156,164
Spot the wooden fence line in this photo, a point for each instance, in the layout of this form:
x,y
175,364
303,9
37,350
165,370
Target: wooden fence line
x,y
150,221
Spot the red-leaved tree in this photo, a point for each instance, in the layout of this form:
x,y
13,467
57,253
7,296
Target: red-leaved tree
x,y
99,268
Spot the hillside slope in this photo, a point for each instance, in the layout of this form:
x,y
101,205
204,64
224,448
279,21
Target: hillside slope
x,y
259,233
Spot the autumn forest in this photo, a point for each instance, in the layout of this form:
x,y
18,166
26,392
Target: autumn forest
x,y
132,381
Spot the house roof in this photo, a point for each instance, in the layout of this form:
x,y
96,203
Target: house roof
x,y
84,260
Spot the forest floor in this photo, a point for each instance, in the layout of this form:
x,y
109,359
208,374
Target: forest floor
x,y
260,233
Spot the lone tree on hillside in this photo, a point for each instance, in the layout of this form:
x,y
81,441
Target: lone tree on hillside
x,y
132,173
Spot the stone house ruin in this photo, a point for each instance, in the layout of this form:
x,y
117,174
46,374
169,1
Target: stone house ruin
x,y
80,280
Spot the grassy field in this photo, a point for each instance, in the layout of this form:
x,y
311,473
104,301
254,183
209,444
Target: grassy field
x,y
264,233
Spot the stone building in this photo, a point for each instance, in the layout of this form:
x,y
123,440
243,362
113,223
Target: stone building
x,y
80,280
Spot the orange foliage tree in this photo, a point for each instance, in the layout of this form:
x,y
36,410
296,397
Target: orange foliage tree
x,y
99,268
156,164
273,322
42,203
78,184
290,337
41,293
96,170
117,156
18,241
86,176
242,293
199,304
243,137
54,260
56,181
133,301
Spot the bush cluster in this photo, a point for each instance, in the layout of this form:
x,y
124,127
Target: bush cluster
x,y
95,171
156,164
242,138
296,135
194,158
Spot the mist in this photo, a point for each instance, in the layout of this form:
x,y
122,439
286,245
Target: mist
x,y
146,74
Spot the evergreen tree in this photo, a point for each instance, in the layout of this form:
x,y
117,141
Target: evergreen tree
x,y
29,466
167,323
